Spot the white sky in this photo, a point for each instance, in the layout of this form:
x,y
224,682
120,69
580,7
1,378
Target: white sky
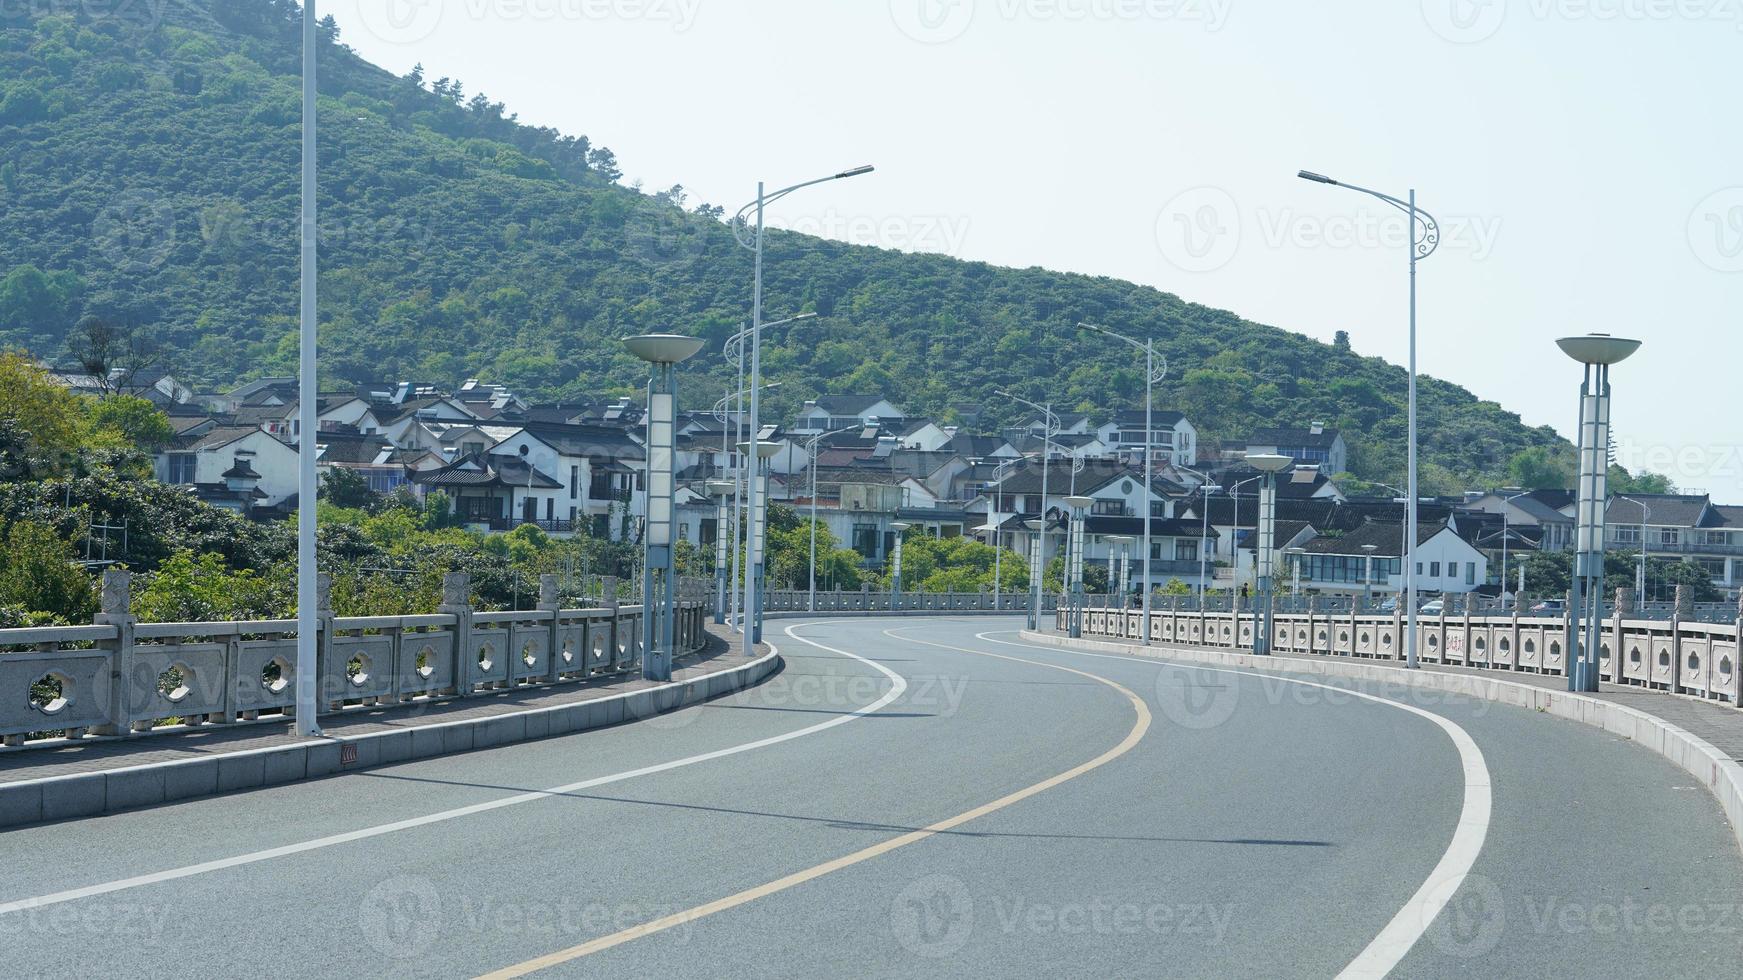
x,y
1584,158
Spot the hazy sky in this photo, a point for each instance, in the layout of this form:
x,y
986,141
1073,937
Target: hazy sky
x,y
1584,157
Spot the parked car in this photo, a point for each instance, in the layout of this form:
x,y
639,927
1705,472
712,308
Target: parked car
x,y
1432,607
1550,607
1390,605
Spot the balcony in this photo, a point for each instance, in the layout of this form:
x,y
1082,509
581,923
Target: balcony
x,y
554,526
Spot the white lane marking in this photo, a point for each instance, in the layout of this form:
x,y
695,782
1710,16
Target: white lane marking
x,y
1383,954
898,686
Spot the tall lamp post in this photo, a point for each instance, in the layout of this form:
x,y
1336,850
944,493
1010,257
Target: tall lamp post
x,y
659,578
1596,352
728,437
1268,464
1424,239
1204,541
1153,373
752,238
308,393
1124,579
811,449
1074,561
1037,557
1295,556
1640,572
737,341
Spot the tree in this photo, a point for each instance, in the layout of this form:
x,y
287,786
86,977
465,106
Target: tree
x,y
1539,468
113,355
47,419
344,487
129,421
39,574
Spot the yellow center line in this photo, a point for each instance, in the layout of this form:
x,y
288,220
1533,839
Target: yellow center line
x,y
1139,727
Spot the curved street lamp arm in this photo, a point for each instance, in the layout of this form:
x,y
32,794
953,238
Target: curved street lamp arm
x,y
1424,244
740,224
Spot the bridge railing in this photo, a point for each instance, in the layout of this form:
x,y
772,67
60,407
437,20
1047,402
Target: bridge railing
x,y
119,675
1679,654
781,600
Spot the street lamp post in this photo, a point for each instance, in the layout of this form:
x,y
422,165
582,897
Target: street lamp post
x,y
1424,239
728,438
753,240
721,490
896,564
1037,567
1204,541
659,577
811,449
1152,375
1049,427
308,393
756,574
1640,572
1368,575
1596,352
743,475
1125,579
1295,569
1074,561
1268,464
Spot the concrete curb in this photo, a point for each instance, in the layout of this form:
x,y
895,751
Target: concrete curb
x,y
1720,774
111,791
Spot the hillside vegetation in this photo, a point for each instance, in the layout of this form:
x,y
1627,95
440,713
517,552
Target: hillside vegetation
x,y
149,177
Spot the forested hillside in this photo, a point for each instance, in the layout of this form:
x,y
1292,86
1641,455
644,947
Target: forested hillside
x,y
148,175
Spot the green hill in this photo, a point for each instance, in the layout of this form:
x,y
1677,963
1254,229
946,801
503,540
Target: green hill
x,y
149,176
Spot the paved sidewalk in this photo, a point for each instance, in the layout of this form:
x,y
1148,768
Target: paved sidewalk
x,y
94,754
1718,723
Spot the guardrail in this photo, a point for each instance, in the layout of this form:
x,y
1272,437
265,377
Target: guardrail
x,y
1679,655
120,676
1013,602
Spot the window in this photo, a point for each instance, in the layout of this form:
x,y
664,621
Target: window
x,y
710,530
684,531
1419,569
181,467
1667,535
550,508
1108,508
1158,508
1433,569
1185,550
1470,573
865,540
574,482
602,526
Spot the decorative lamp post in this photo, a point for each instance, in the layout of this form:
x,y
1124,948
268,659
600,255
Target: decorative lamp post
x,y
1074,561
1269,465
896,564
756,577
1295,569
1038,529
1121,583
722,491
1368,574
659,578
1597,352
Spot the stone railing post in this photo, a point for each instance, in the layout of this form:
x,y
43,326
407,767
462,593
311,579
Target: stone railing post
x,y
1312,612
457,602
608,599
115,609
1466,604
551,603
324,645
1683,609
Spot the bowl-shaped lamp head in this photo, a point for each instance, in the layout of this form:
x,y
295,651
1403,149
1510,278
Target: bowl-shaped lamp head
x,y
1080,503
1270,462
1598,348
663,348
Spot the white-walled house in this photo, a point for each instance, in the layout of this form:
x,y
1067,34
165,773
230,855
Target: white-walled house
x,y
1173,439
202,460
1444,561
842,411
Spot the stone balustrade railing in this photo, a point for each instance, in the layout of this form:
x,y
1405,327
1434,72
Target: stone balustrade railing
x,y
119,676
780,600
1682,656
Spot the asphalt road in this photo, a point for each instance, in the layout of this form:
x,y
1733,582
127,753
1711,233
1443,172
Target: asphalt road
x,y
930,797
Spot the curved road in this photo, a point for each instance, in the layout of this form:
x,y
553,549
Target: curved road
x,y
930,797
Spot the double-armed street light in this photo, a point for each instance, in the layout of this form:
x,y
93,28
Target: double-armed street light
x,y
659,577
1424,239
1153,374
1038,553
1596,352
811,449
752,238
